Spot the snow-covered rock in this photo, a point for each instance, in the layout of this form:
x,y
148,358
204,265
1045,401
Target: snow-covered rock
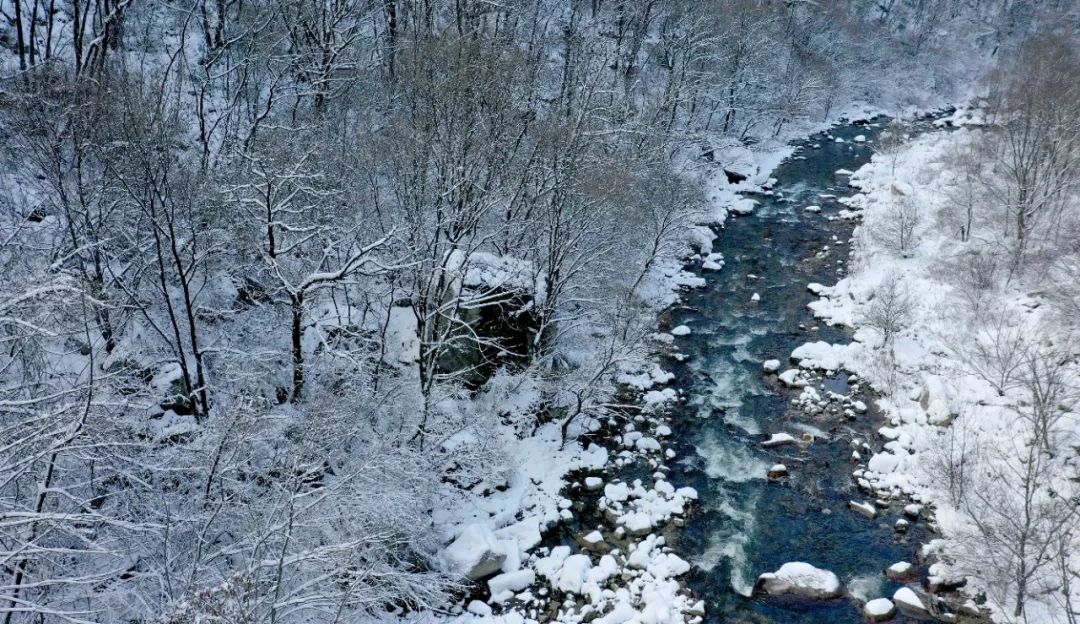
x,y
505,585
475,554
910,603
865,509
800,579
883,463
879,610
743,206
771,366
820,355
681,330
901,572
779,439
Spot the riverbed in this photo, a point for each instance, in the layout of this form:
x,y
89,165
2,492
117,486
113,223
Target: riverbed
x,y
746,523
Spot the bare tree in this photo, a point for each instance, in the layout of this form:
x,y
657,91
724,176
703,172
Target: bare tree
x,y
1047,376
901,227
890,309
997,351
1035,147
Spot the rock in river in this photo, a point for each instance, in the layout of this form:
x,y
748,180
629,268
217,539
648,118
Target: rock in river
x,y
910,603
802,580
879,610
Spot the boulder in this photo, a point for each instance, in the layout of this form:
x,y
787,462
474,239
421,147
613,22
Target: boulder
x,y
475,554
910,603
879,610
941,580
901,572
778,471
801,580
503,586
771,366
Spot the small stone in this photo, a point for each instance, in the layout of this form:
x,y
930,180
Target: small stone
x,y
778,439
865,509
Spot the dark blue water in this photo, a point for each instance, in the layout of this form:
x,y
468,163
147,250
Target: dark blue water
x,y
745,524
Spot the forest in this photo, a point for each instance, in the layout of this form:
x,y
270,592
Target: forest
x,y
293,290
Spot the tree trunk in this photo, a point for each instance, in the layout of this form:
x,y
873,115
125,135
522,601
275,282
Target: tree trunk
x,y
20,43
297,345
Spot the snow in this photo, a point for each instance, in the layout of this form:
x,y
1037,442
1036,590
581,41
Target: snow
x,y
779,439
504,585
908,600
900,568
821,355
491,271
930,394
616,492
771,366
743,206
681,330
883,462
866,509
792,379
801,579
879,609
475,553
594,538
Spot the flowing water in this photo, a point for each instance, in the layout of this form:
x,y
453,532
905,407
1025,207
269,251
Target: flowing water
x,y
746,524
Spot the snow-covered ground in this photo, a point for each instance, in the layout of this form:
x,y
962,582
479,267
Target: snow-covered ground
x,y
623,569
960,353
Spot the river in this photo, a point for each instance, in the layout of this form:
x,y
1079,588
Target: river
x,y
747,524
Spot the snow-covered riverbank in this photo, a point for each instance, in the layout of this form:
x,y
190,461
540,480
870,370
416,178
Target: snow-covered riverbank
x,y
621,568
963,355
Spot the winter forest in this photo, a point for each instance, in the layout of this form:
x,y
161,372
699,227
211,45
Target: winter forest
x,y
524,311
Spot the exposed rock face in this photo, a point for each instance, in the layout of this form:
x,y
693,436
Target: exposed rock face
x,y
802,580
